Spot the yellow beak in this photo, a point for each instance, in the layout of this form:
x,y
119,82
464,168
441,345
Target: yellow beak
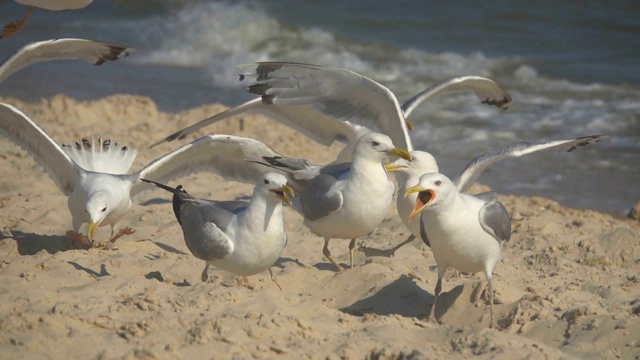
x,y
282,192
402,153
92,229
391,167
425,197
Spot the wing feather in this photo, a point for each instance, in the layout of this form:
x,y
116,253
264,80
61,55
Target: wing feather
x,y
475,168
90,51
23,132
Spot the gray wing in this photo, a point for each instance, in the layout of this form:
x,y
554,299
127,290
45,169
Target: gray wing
x,y
90,51
320,197
320,128
204,223
423,233
475,168
31,138
332,92
223,155
495,220
485,89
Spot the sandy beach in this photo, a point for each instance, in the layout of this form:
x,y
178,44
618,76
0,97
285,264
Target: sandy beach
x,y
568,285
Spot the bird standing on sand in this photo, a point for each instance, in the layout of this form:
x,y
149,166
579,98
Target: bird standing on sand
x,y
55,5
241,237
345,200
465,232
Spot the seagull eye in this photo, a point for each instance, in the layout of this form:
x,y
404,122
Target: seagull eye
x,y
105,209
375,143
438,182
266,182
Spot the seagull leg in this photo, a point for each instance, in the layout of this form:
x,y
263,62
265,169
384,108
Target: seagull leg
x,y
205,273
273,278
16,26
352,246
368,252
489,275
327,254
432,313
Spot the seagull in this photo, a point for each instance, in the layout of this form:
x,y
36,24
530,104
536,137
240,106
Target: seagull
x,y
408,174
90,51
241,237
55,5
332,104
94,175
464,231
346,200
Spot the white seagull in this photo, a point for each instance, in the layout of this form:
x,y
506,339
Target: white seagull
x,y
55,5
94,175
93,52
332,104
241,237
408,174
465,232
345,200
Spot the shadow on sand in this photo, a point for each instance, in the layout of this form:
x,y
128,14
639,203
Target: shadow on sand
x,y
31,244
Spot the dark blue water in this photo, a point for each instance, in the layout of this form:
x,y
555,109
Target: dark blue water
x,y
572,67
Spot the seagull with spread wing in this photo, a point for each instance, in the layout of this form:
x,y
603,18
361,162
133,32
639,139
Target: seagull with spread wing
x,y
408,174
333,104
94,175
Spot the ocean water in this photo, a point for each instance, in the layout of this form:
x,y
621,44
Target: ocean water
x,y
572,68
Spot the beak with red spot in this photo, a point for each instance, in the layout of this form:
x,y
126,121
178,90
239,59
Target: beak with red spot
x,y
425,198
282,193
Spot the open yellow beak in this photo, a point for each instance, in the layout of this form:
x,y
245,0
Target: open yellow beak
x,y
425,197
282,193
402,153
92,229
392,167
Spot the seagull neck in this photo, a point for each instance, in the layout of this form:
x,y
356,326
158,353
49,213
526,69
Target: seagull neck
x,y
263,211
366,167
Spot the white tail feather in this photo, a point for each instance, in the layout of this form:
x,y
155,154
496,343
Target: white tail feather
x,y
105,156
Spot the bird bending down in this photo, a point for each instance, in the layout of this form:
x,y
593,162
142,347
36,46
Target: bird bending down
x,y
94,175
93,52
241,237
345,200
17,26
332,104
408,174
465,232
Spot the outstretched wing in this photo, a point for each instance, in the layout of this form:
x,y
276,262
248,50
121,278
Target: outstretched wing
x,y
315,125
224,155
475,168
485,89
23,132
90,51
332,92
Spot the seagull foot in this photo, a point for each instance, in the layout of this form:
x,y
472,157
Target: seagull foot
x,y
15,27
273,278
121,233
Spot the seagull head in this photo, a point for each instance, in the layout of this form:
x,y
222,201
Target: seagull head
x,y
98,207
378,146
421,163
276,184
432,189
